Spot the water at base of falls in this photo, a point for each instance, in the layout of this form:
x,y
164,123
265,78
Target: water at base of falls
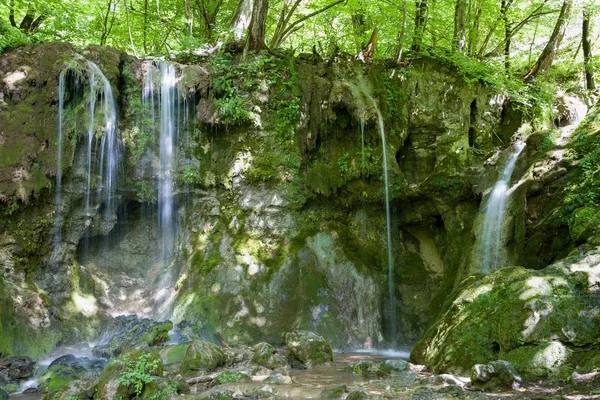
x,y
491,237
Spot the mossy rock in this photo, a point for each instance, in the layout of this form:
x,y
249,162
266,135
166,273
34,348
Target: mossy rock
x,y
538,317
174,354
202,356
69,368
159,389
266,356
309,348
546,360
133,332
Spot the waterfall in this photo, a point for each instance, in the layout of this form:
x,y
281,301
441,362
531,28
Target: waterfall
x,y
391,288
490,241
57,199
103,171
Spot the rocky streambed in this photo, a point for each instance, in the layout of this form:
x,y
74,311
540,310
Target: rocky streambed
x,y
146,359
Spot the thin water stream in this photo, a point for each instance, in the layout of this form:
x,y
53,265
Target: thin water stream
x,y
391,286
491,238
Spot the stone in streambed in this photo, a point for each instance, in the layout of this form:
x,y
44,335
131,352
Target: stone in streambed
x,y
202,356
308,348
498,374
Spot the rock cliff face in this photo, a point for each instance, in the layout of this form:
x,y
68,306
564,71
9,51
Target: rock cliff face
x,y
278,195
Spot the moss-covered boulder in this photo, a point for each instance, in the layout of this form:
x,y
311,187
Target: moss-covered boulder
x,y
202,356
308,348
266,356
174,354
537,320
132,332
68,368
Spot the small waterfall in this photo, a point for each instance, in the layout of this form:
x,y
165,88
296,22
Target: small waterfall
x,y
102,172
168,116
490,241
57,198
391,286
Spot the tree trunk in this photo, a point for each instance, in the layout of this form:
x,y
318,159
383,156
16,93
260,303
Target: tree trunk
x,y
504,14
474,33
546,59
367,53
420,18
256,31
401,34
241,18
587,51
460,31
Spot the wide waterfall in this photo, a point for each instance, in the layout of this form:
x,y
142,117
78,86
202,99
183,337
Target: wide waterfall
x,y
393,324
101,169
491,237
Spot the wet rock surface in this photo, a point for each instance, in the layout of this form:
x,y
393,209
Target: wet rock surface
x,y
130,331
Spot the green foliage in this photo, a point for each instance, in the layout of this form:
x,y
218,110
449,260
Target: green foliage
x,y
228,377
138,372
11,37
164,392
343,162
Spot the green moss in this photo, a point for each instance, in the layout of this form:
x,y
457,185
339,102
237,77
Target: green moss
x,y
176,353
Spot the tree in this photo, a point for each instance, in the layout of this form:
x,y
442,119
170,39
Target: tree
x,y
546,58
32,20
420,20
285,28
241,18
460,22
257,27
587,52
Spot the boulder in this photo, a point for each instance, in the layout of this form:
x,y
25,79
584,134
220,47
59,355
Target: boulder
x,y
541,320
68,368
308,348
16,368
202,356
130,332
498,374
266,355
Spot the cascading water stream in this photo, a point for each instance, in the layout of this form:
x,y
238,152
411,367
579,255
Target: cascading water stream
x,y
490,242
391,286
106,169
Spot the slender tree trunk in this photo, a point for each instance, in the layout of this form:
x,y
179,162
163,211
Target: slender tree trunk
x,y
587,51
241,18
144,32
129,29
546,58
11,13
460,22
474,33
401,34
257,28
504,13
420,18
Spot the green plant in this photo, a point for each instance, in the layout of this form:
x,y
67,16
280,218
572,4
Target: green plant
x,y
228,377
344,162
138,373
